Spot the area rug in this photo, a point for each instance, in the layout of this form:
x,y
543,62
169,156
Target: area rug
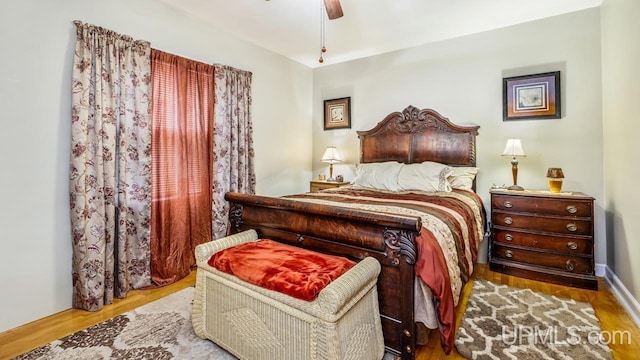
x,y
501,322
159,330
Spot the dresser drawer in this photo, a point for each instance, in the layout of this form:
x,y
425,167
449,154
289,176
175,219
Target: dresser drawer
x,y
548,206
568,263
315,186
543,236
558,243
540,223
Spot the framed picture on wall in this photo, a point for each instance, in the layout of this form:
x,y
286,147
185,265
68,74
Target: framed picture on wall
x,y
337,113
534,96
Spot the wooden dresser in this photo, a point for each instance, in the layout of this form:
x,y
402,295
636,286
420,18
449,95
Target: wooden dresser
x,y
315,186
543,236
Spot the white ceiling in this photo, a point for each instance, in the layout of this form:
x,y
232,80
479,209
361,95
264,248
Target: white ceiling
x,y
368,27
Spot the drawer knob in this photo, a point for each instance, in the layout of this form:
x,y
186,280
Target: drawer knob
x,y
571,245
508,254
508,220
572,209
508,237
572,227
570,265
508,204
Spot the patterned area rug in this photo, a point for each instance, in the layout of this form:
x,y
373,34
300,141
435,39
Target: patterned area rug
x,y
158,330
502,322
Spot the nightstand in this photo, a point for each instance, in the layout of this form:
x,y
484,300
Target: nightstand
x,y
543,236
316,186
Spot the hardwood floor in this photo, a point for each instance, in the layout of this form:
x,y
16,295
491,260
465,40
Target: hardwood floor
x,y
40,332
611,314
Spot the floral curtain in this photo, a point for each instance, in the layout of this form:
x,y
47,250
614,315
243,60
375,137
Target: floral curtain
x,y
233,168
110,171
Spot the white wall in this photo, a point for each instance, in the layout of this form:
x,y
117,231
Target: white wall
x,y
36,42
621,115
462,80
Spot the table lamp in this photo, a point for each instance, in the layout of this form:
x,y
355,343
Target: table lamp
x,y
514,149
331,156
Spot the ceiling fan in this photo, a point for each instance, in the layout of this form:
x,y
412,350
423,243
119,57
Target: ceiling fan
x,y
334,10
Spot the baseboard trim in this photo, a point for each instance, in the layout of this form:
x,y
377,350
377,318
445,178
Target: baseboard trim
x,y
601,270
624,296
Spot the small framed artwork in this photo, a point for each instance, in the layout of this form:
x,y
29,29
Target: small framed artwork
x,y
534,96
337,113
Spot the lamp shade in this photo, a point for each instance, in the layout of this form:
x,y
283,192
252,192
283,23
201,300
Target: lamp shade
x,y
514,148
331,155
555,173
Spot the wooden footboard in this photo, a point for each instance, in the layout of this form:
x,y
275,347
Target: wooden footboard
x,y
351,233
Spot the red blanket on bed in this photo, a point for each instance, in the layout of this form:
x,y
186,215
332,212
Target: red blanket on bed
x,y
436,260
287,269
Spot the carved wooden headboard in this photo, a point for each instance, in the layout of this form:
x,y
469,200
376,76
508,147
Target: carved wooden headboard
x,y
414,136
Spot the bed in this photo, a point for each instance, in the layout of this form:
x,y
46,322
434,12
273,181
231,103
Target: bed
x,y
423,263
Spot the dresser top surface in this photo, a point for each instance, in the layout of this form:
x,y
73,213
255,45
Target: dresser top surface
x,y
542,193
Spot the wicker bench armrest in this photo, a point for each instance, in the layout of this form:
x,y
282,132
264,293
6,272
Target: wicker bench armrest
x,y
350,286
204,251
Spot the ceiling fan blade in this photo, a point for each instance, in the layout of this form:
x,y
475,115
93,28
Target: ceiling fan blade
x,y
334,10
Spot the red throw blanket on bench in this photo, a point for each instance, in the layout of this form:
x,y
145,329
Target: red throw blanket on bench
x,y
284,268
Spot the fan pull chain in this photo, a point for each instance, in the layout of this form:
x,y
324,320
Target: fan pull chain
x,y
323,49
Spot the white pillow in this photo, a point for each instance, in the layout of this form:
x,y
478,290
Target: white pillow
x,y
426,176
381,176
461,177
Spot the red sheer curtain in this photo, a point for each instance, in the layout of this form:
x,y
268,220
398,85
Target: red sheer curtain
x,y
182,141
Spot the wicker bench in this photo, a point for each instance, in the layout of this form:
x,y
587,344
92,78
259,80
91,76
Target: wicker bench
x,y
250,322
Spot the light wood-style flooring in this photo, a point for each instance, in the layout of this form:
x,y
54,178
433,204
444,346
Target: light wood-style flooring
x,y
611,314
41,332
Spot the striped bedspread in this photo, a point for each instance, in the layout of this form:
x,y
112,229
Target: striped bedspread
x,y
452,229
